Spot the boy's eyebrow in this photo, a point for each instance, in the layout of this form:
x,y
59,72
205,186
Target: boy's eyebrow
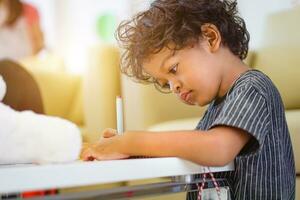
x,y
166,58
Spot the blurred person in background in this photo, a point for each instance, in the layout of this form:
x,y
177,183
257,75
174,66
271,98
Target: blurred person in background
x,y
20,32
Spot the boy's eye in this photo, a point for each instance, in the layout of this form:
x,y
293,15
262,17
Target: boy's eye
x,y
173,69
165,86
162,87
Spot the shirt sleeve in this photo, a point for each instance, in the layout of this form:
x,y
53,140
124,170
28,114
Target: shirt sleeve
x,y
246,109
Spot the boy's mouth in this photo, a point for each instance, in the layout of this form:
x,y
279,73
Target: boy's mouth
x,y
185,96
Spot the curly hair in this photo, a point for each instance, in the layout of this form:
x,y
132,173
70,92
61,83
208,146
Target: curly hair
x,y
177,22
14,8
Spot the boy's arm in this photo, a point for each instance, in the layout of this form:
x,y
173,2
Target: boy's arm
x,y
216,147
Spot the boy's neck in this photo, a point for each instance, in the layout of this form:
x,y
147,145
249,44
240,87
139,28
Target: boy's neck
x,y
232,68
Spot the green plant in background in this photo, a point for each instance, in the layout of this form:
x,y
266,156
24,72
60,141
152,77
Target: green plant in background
x,y
106,25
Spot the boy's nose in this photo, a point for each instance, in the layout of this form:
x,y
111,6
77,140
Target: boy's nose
x,y
175,87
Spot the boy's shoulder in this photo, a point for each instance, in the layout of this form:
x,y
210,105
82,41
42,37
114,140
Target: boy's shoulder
x,y
253,80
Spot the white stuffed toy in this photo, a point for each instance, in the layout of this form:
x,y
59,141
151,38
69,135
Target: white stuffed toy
x,y
27,137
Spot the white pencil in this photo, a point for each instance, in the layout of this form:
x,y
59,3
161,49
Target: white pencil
x,y
119,109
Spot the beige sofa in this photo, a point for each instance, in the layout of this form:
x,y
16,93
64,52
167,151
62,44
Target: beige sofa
x,y
83,99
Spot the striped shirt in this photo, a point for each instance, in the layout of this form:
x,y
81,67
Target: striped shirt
x,y
264,169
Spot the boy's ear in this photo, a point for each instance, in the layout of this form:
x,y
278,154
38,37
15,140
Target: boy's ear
x,y
211,34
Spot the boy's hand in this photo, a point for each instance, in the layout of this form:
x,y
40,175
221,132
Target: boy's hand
x,y
108,148
84,147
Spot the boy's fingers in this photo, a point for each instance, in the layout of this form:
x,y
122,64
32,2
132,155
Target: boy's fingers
x,y
87,157
87,154
109,132
84,145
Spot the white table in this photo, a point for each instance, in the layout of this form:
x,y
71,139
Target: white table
x,y
15,178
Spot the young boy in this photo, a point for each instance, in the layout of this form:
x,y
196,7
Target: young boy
x,y
195,49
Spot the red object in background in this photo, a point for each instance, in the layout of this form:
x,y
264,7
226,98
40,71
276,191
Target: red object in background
x,y
129,194
31,14
39,193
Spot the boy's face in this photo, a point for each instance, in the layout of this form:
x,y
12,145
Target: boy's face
x,y
193,73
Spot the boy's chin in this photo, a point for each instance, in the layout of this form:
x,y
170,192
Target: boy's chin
x,y
195,102
189,103
200,103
